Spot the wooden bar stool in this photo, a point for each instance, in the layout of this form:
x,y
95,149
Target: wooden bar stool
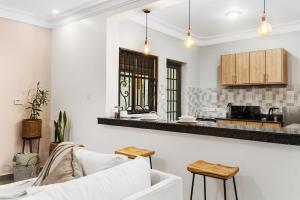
x,y
133,152
214,171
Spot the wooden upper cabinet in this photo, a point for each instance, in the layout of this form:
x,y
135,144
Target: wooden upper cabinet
x,y
255,68
242,68
228,69
258,67
276,66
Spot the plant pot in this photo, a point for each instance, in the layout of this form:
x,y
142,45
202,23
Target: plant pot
x,y
53,145
31,128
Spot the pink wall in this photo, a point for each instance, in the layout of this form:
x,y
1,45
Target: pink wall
x,y
25,58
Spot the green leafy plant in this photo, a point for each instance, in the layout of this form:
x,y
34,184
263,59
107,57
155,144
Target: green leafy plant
x,y
60,127
39,99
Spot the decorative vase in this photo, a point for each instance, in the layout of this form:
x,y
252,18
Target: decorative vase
x,y
53,145
31,128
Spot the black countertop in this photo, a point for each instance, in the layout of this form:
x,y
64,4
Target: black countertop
x,y
253,133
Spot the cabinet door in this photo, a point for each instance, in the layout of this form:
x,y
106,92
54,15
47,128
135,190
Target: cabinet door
x,y
254,124
276,66
274,125
243,123
242,68
228,69
258,67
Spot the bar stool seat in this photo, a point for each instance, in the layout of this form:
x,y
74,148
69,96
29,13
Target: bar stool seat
x,y
213,170
217,171
133,152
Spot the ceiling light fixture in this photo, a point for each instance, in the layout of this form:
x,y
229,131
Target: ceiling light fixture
x,y
234,14
189,41
55,12
146,46
265,28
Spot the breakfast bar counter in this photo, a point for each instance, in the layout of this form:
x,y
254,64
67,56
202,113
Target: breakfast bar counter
x,y
252,133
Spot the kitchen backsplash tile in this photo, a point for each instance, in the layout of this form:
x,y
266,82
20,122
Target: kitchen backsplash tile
x,y
212,102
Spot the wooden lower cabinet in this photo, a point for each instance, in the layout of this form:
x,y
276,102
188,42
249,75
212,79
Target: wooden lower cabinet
x,y
246,123
273,125
243,123
254,124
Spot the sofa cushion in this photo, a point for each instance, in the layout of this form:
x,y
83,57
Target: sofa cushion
x,y
115,183
68,168
93,162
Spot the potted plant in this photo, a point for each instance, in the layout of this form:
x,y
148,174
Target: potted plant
x,y
32,127
59,130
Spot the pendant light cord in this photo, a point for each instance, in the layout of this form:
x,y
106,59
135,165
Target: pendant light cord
x,y
189,14
146,26
264,6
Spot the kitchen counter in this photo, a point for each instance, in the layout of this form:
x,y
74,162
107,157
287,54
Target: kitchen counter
x,y
253,133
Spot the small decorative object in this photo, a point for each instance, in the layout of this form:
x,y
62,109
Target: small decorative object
x,y
59,130
32,127
26,166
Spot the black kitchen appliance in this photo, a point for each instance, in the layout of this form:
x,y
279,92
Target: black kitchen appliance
x,y
245,112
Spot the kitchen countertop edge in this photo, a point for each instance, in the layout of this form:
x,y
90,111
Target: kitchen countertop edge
x,y
225,131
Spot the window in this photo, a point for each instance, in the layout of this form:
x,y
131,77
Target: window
x,y
137,82
173,89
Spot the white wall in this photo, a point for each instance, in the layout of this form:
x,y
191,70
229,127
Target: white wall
x,y
81,85
25,59
209,57
123,33
79,75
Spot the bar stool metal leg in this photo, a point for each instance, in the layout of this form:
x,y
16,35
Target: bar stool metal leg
x,y
192,189
224,189
235,191
150,160
204,179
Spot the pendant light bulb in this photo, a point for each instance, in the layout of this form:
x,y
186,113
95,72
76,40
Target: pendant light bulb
x,y
146,47
265,28
189,41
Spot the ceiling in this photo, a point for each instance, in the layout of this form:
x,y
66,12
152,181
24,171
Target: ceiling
x,y
211,25
209,22
209,19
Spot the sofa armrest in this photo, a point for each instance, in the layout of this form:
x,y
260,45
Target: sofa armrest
x,y
164,187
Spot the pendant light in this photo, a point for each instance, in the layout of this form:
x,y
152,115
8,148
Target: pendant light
x,y
189,41
265,28
146,45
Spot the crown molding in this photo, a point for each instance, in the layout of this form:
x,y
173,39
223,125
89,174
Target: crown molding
x,y
22,16
92,9
69,16
174,31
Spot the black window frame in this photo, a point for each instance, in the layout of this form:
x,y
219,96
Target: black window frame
x,y
138,67
173,94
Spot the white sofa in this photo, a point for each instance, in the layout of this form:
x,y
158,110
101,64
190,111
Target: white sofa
x,y
132,180
163,187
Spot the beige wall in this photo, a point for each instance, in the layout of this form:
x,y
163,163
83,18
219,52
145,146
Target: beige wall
x,y
25,58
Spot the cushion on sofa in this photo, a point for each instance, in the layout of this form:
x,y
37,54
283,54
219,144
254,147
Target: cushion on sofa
x,y
68,168
93,162
115,183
